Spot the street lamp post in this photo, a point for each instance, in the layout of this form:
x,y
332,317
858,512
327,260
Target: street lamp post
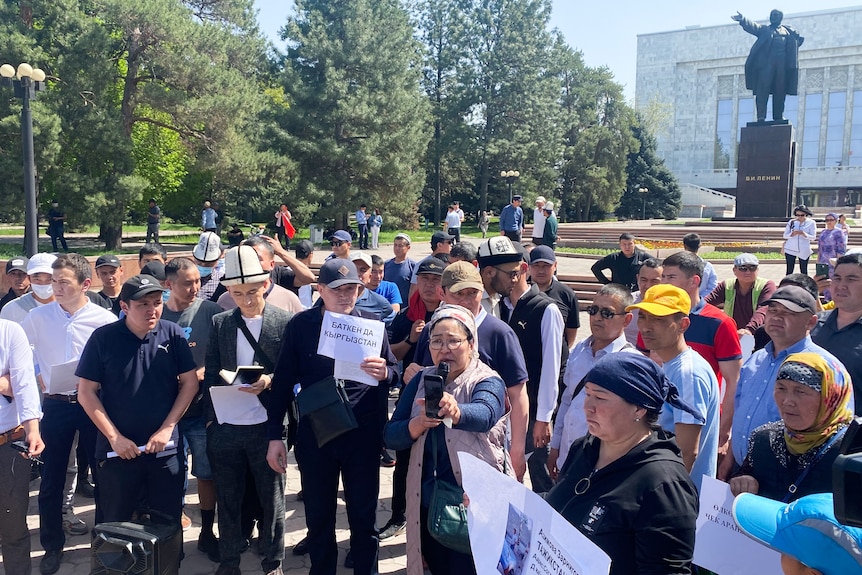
x,y
26,81
643,191
510,176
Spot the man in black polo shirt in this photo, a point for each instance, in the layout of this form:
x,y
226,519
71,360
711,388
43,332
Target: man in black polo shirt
x,y
137,379
17,278
623,264
840,330
543,270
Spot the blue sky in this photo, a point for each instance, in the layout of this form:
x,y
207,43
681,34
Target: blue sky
x,y
607,33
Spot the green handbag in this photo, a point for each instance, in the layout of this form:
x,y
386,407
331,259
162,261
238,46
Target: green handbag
x,y
447,516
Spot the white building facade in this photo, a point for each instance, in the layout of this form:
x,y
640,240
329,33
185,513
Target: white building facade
x,y
695,78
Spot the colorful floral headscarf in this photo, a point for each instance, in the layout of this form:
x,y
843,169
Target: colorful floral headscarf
x,y
832,381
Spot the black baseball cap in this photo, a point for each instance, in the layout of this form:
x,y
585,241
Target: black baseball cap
x,y
138,286
303,249
108,260
156,269
18,263
431,265
440,237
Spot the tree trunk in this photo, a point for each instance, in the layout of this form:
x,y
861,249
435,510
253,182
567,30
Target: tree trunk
x,y
483,186
113,235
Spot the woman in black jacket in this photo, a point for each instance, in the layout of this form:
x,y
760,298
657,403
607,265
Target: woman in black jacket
x,y
624,485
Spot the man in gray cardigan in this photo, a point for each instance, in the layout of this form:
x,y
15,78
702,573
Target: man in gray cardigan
x,y
249,335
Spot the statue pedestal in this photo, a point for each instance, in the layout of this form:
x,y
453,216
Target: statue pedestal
x,y
765,185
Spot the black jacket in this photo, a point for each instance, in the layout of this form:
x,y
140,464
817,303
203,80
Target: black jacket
x,y
641,509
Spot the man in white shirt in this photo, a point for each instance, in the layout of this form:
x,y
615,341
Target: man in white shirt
x,y
58,333
539,218
538,323
453,224
41,292
19,420
608,320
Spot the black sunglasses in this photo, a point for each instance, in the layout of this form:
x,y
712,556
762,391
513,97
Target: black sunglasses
x,y
605,312
336,243
747,268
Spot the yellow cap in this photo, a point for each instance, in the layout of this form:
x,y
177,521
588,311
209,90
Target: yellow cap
x,y
664,299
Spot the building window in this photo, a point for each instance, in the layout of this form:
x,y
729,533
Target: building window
x,y
724,135
791,109
855,158
811,131
835,129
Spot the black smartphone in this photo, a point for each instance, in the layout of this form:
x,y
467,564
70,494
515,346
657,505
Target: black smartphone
x,y
23,447
821,270
434,390
247,374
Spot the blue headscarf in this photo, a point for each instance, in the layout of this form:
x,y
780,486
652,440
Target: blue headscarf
x,y
639,381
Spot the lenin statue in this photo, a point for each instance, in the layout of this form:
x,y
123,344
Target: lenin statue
x,y
772,66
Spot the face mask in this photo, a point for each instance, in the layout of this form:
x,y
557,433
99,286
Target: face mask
x,y
166,295
205,271
42,292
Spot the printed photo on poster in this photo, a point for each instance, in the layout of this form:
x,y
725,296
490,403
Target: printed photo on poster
x,y
516,546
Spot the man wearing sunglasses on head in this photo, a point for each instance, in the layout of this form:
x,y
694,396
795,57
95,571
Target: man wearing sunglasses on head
x,y
340,242
744,299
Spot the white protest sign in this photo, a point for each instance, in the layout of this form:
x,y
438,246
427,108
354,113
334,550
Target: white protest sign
x,y
348,370
720,545
350,338
746,343
524,535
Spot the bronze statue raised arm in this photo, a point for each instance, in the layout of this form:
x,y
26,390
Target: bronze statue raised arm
x,y
772,66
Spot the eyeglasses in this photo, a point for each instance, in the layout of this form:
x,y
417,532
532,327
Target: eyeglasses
x,y
605,312
748,268
513,275
452,344
336,243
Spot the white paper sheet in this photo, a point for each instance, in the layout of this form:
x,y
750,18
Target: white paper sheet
x,y
513,529
62,378
746,342
170,449
719,545
350,338
235,406
352,371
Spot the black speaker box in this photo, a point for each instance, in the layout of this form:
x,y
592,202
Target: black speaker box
x,y
134,549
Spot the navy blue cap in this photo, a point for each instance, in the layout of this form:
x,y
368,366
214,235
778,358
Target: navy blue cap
x,y
341,235
639,381
542,254
338,272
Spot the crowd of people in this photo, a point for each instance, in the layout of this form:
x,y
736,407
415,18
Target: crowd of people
x,y
616,431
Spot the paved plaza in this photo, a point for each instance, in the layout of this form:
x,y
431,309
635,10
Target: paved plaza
x,y
392,552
